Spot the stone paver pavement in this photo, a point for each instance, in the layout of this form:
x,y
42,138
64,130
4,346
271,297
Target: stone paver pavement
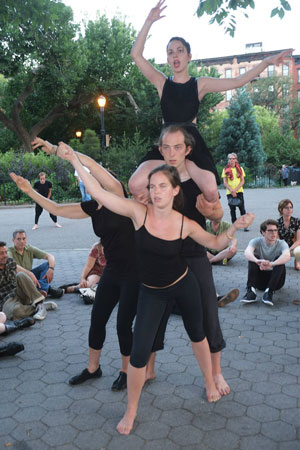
x,y
39,410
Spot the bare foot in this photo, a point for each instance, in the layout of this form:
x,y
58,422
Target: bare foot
x,y
125,425
35,227
221,384
150,376
212,393
58,225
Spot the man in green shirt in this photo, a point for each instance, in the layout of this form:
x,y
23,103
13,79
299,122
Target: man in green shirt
x,y
42,275
217,227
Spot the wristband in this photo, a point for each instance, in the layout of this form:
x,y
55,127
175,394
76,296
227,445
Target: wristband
x,y
52,268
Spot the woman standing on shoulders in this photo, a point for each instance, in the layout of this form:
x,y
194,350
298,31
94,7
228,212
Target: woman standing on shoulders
x,y
180,97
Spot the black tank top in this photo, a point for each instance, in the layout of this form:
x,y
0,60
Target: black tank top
x,y
179,101
159,261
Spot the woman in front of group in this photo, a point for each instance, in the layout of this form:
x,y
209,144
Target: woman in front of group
x,y
159,233
289,229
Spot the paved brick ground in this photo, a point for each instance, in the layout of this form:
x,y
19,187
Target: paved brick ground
x,y
39,410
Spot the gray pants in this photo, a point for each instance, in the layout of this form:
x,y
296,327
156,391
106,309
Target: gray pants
x,y
21,304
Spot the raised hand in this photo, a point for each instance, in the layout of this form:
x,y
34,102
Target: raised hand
x,y
46,146
64,151
244,221
21,182
280,57
156,12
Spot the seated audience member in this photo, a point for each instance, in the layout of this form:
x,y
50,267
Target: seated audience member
x,y
267,256
92,270
217,227
289,229
19,297
41,275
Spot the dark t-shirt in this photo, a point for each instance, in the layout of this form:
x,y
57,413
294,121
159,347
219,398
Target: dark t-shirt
x,y
117,237
44,188
190,193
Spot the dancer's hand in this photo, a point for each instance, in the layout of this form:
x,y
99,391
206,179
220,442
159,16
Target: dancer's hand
x,y
46,146
280,58
21,182
155,13
244,221
64,151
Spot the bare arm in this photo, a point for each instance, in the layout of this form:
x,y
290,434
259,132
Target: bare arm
x,y
72,211
109,182
210,210
86,269
221,241
155,77
123,206
297,241
283,258
52,263
30,274
209,84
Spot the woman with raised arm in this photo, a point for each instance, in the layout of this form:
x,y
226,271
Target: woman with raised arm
x,y
118,282
159,234
180,97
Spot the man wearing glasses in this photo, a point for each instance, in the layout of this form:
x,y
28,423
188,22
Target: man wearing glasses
x,y
234,178
267,256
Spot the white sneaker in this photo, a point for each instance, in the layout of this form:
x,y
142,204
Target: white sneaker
x,y
41,312
58,225
35,227
50,306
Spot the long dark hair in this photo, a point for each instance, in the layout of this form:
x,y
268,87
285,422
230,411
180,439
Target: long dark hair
x,y
174,178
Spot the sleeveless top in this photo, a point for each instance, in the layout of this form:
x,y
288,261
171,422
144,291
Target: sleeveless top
x,y
179,101
159,261
117,237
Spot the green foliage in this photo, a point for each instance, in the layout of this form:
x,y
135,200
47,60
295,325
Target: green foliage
x,y
212,128
272,92
280,146
59,172
124,157
240,133
223,11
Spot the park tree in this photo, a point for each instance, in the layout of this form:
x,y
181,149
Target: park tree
x,y
240,133
50,70
275,93
223,11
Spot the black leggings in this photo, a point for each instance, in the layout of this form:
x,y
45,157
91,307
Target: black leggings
x,y
38,212
152,304
112,289
201,268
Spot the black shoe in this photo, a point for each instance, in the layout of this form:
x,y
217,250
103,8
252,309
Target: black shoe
x,y
120,383
250,296
24,323
268,297
85,375
55,293
228,298
11,349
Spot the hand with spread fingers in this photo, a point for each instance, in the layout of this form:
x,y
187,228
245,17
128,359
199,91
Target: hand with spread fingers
x,y
244,221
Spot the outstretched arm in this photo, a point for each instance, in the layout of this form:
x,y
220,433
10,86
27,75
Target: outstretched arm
x,y
109,182
155,77
208,84
196,232
123,206
72,211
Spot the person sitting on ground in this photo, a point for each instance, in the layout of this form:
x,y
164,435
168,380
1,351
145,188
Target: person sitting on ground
x,y
41,275
217,227
267,256
43,187
289,229
92,271
19,297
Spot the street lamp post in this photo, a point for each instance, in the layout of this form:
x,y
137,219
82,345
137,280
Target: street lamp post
x,y
101,103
